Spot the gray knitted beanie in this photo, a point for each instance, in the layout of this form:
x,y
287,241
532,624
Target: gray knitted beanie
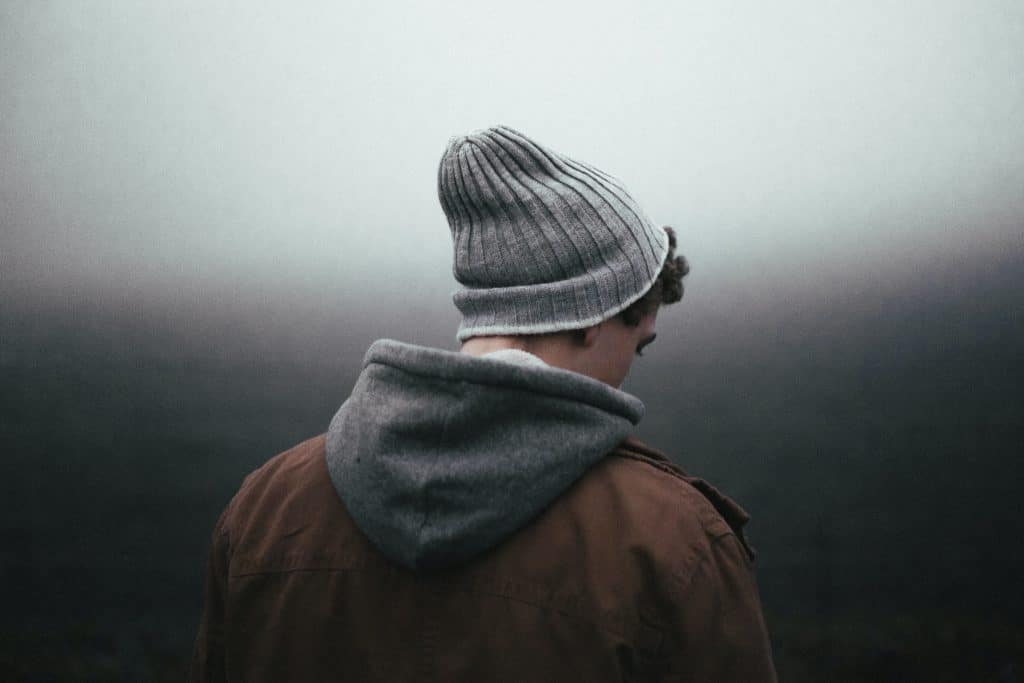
x,y
542,243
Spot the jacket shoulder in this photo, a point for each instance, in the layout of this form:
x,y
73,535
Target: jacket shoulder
x,y
292,461
690,497
281,494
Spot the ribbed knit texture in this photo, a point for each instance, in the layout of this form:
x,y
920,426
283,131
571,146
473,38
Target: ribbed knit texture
x,y
542,243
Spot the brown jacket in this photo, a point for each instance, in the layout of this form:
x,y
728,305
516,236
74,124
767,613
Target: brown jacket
x,y
636,572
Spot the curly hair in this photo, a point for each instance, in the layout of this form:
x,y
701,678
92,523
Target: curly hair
x,y
667,287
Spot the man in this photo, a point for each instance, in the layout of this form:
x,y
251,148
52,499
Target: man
x,y
484,515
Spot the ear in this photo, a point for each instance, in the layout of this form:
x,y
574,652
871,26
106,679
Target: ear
x,y
590,335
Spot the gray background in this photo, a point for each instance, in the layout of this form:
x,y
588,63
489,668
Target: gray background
x,y
209,210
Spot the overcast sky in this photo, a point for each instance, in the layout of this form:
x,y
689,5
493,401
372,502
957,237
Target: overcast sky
x,y
202,145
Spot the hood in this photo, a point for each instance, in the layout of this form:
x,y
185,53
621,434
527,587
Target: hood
x,y
439,455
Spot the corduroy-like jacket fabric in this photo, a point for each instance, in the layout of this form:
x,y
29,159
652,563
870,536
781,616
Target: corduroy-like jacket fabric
x,y
636,572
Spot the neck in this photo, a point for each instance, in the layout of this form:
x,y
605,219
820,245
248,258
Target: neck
x,y
557,350
478,346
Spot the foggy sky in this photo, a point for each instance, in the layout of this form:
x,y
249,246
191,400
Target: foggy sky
x,y
260,150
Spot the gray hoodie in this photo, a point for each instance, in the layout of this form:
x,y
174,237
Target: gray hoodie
x,y
439,455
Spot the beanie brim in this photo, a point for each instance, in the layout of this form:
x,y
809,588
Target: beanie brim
x,y
546,307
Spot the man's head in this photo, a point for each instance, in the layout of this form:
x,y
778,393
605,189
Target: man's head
x,y
555,256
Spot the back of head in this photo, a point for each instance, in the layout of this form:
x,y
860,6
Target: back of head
x,y
544,243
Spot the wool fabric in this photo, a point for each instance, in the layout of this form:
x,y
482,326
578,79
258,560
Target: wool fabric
x,y
541,242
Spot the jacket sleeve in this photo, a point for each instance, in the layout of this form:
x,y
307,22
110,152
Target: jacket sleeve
x,y
720,629
208,655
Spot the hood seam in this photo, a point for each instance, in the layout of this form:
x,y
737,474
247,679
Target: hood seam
x,y
424,523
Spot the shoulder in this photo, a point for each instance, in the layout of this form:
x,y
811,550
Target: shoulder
x,y
699,510
636,525
282,483
294,461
